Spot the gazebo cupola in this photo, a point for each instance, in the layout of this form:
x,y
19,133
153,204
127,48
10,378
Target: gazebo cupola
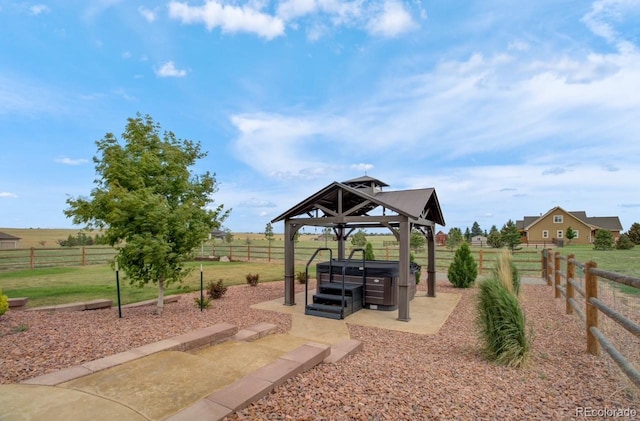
x,y
367,184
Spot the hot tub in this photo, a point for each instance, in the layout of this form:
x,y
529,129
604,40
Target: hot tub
x,y
381,280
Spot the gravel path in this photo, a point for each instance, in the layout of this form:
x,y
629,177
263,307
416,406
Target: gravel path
x,y
397,376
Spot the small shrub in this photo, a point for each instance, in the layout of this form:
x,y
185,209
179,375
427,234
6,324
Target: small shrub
x,y
603,240
206,302
253,279
624,242
4,303
301,277
216,290
368,252
463,271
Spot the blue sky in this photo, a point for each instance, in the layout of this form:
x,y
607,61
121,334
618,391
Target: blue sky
x,y
506,108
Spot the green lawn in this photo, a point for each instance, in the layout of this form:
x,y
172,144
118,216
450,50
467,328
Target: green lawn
x,y
50,286
57,285
626,262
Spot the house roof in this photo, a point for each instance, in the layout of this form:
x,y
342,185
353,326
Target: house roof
x,y
611,223
416,204
218,233
5,236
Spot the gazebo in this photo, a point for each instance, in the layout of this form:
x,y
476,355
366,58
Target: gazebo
x,y
362,203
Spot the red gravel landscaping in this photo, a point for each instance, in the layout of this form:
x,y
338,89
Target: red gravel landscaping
x,y
397,376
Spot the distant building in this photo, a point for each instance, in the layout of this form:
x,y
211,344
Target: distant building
x,y
8,241
217,234
552,227
441,238
479,241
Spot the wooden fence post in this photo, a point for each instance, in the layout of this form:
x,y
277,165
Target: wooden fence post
x,y
556,267
248,252
269,258
32,258
84,256
571,274
480,263
544,263
591,290
550,267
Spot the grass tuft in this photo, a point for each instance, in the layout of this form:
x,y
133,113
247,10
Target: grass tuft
x,y
501,321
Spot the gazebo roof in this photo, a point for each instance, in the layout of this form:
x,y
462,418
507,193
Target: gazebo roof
x,y
336,199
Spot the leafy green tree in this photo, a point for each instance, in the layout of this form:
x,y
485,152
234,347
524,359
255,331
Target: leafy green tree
x,y
463,271
148,203
624,242
359,239
268,232
467,235
417,240
570,234
634,233
476,230
454,238
228,237
603,240
510,234
494,239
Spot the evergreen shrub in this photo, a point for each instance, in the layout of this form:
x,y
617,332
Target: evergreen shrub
x,y
463,271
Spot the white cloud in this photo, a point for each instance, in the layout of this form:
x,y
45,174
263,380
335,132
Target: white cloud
x,y
70,161
256,203
392,20
148,14
362,167
228,18
38,9
169,70
7,194
292,9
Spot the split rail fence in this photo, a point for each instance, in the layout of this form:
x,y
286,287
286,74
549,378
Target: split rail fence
x,y
528,262
589,299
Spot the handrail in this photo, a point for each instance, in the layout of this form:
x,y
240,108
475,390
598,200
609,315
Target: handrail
x,y
344,273
306,273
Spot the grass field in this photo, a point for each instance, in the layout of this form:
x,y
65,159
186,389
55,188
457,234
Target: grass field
x,y
62,283
51,286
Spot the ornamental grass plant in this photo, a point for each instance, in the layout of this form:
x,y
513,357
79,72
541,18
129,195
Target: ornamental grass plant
x,y
501,320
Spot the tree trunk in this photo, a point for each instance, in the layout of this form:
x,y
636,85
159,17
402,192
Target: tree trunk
x,y
160,306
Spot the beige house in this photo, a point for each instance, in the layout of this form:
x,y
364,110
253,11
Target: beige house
x,y
551,228
8,241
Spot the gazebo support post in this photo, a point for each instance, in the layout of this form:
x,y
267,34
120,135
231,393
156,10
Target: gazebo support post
x,y
431,268
403,282
289,264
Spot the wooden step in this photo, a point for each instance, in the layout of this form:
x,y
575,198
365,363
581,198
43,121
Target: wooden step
x,y
324,310
337,287
333,299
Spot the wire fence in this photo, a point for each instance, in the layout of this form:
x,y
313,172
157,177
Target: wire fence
x,y
607,305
